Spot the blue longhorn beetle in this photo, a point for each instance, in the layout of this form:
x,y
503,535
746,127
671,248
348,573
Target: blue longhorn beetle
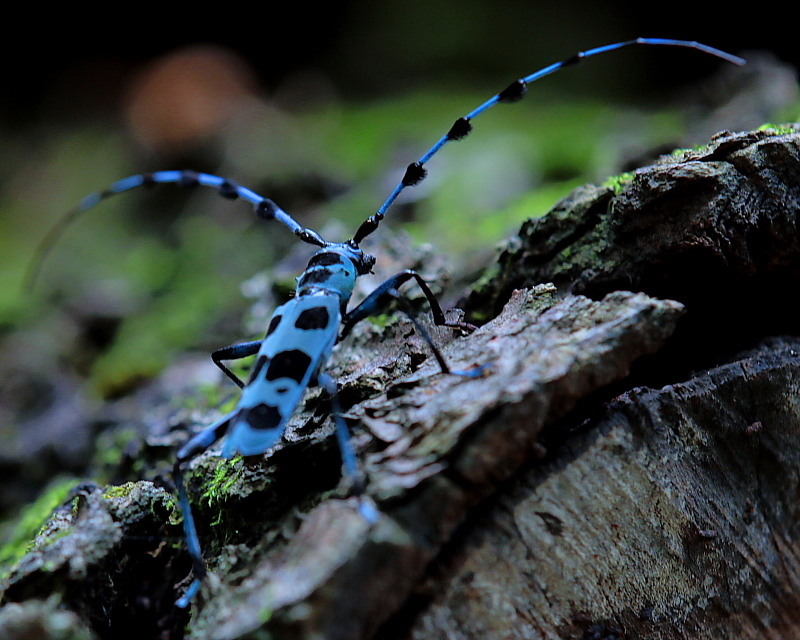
x,y
302,332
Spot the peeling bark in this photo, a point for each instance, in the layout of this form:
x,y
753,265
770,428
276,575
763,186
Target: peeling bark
x,y
674,515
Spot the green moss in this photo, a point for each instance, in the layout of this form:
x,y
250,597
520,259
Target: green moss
x,y
56,535
32,520
224,478
682,153
226,474
119,491
172,503
780,129
619,182
382,320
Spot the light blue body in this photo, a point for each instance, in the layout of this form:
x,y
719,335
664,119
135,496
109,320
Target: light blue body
x,y
299,341
284,393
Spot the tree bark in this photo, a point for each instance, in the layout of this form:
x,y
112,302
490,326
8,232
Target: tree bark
x,y
578,489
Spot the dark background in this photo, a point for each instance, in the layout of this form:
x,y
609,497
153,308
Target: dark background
x,y
73,63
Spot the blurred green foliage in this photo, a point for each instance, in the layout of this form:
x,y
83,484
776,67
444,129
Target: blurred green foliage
x,y
171,264
17,536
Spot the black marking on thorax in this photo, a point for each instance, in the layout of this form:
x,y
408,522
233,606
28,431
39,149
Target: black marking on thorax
x,y
325,259
317,275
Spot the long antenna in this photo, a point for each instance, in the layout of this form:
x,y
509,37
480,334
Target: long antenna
x,y
264,208
416,172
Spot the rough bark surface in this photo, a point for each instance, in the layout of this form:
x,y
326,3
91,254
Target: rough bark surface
x,y
447,443
716,229
674,515
553,497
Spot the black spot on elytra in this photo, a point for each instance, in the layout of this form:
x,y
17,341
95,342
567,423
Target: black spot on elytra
x,y
316,275
273,324
314,318
291,364
263,417
262,360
